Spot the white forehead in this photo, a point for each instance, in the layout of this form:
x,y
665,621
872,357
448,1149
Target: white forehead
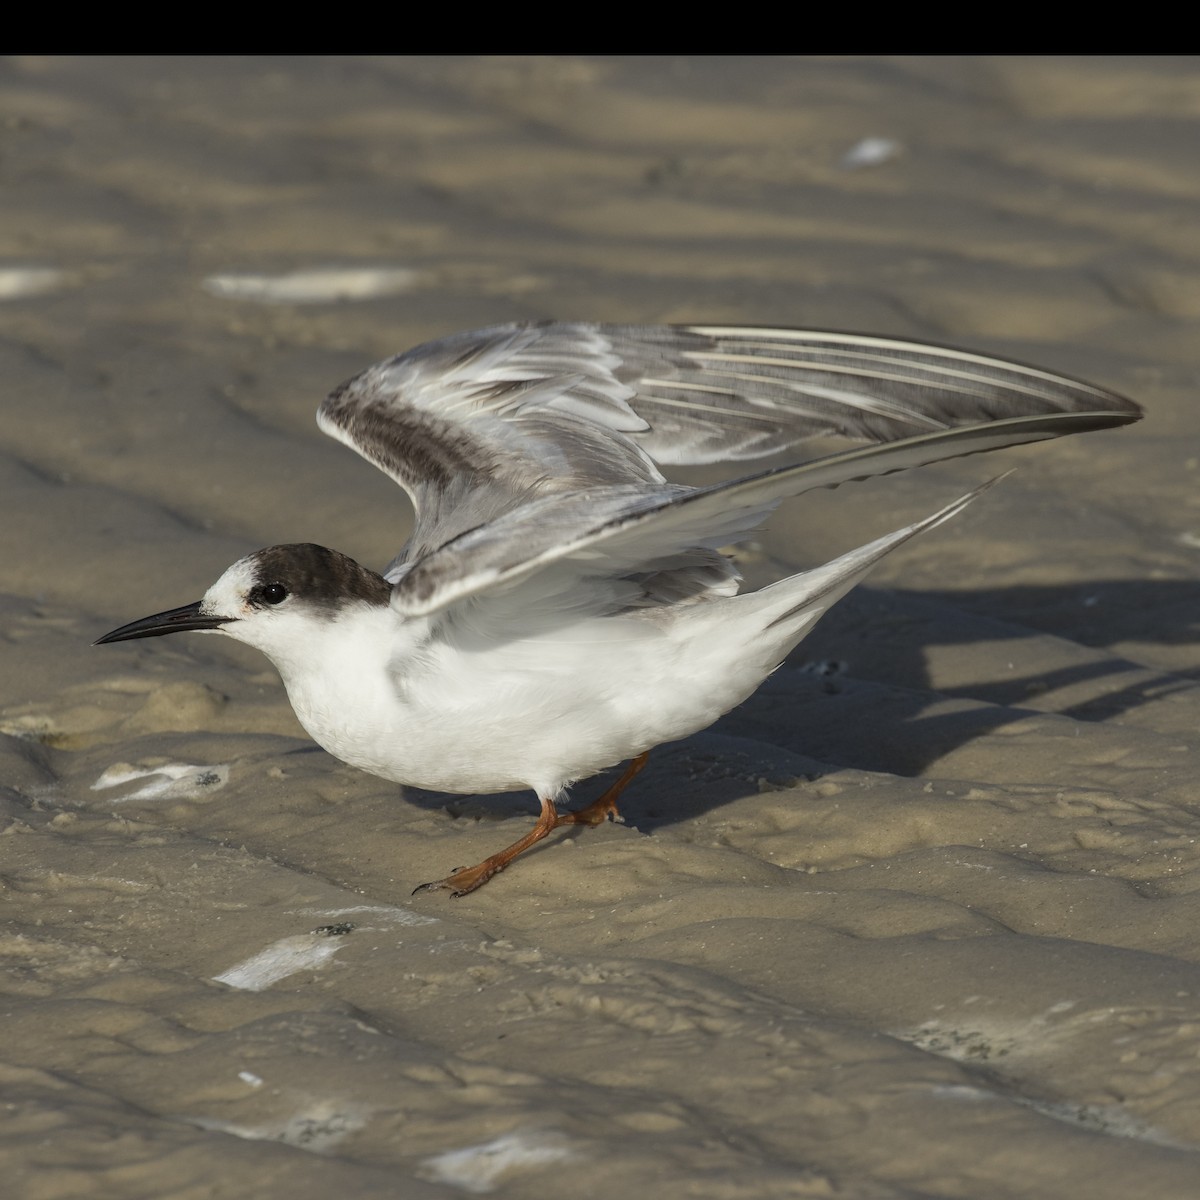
x,y
227,597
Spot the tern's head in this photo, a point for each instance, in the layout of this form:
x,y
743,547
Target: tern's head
x,y
273,599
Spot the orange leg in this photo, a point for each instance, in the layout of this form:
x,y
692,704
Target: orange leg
x,y
467,879
606,806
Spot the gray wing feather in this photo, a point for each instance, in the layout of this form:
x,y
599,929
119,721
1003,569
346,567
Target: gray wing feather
x,y
478,425
613,530
776,387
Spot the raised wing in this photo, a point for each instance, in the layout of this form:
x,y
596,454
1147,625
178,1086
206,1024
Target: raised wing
x,y
615,530
478,424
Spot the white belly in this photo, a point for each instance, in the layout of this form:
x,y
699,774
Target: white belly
x,y
534,714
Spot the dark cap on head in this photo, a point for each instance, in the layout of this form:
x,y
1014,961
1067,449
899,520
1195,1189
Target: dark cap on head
x,y
317,575
319,578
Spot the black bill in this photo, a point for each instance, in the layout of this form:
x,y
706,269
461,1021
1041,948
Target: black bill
x,y
176,620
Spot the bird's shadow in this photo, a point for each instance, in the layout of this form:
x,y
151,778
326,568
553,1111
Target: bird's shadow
x,y
858,692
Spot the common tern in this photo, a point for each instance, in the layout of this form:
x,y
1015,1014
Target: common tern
x,y
560,606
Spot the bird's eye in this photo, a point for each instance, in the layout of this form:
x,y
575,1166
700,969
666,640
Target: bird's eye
x,y
274,593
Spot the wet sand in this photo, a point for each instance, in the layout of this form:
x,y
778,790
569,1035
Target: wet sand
x,y
922,923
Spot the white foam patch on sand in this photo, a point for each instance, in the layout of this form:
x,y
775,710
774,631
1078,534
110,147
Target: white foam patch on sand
x,y
479,1168
963,1091
318,1127
172,781
382,912
318,285
18,282
303,952
871,152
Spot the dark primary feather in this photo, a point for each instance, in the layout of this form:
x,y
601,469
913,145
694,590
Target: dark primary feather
x,y
772,388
